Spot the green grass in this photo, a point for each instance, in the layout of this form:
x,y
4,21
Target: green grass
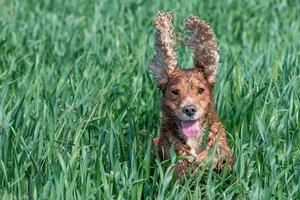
x,y
78,108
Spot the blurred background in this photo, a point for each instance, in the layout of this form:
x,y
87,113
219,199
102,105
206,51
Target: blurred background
x,y
79,109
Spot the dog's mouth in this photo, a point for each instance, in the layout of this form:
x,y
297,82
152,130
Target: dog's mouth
x,y
190,128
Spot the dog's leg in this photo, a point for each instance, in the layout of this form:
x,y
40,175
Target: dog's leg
x,y
218,160
217,143
156,141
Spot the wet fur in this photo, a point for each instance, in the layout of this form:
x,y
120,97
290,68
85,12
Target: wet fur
x,y
187,82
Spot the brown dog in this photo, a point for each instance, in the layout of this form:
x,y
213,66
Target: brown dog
x,y
189,115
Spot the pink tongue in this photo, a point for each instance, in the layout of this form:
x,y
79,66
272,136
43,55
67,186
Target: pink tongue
x,y
190,128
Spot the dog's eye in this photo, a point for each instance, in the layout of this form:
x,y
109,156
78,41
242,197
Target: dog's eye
x,y
200,90
175,92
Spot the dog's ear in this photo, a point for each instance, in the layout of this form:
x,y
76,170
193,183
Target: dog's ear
x,y
164,61
204,46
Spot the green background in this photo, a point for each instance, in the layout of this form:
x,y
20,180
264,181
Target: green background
x,y
79,109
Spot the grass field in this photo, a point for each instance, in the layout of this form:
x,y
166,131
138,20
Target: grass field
x,y
78,107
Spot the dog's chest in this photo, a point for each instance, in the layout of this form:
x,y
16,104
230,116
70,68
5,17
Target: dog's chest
x,y
195,145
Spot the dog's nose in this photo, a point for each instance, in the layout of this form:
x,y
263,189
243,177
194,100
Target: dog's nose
x,y
190,110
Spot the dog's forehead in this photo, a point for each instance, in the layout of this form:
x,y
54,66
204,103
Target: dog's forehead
x,y
187,76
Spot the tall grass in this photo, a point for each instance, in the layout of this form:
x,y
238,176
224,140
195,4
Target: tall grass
x,y
78,108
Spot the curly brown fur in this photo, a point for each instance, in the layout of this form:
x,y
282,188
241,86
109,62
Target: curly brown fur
x,y
165,59
203,44
187,103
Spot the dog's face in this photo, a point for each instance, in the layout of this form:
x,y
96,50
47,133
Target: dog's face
x,y
186,92
187,99
187,95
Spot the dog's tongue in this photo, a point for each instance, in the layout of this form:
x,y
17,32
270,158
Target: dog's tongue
x,y
190,128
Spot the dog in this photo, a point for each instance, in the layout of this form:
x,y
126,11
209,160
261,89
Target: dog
x,y
189,118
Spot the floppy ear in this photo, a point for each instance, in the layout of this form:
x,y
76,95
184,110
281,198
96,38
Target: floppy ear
x,y
204,46
164,61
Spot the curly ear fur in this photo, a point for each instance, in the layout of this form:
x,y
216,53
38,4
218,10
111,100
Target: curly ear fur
x,y
164,61
204,46
202,42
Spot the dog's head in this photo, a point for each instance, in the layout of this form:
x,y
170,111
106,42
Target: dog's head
x,y
186,92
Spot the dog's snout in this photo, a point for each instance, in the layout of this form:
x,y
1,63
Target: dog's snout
x,y
189,110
